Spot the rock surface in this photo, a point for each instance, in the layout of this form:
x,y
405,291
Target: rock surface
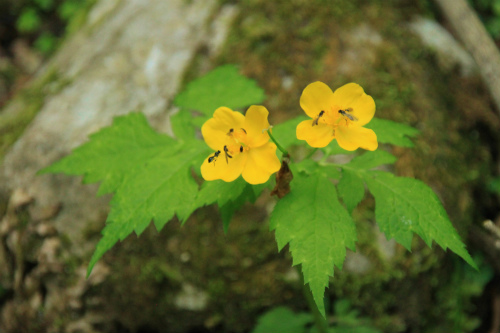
x,y
129,55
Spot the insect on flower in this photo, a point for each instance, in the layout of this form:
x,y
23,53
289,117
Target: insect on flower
x,y
338,115
246,146
315,121
346,113
213,158
226,152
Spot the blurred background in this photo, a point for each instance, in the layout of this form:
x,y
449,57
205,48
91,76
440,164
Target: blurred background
x,y
68,66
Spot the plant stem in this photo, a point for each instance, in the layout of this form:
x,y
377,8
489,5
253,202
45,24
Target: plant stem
x,y
283,150
319,321
311,153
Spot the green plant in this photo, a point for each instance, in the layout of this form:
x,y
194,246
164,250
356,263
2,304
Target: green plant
x,y
44,20
345,319
155,177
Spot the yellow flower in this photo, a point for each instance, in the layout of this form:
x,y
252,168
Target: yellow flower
x,y
241,146
337,115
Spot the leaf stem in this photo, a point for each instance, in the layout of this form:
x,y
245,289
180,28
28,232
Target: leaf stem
x,y
283,150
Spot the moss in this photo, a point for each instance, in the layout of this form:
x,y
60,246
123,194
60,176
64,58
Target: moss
x,y
304,41
26,104
79,18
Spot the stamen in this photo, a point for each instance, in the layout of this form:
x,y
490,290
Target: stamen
x,y
267,129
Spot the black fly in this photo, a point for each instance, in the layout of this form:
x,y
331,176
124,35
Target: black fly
x,y
226,152
315,121
213,158
348,115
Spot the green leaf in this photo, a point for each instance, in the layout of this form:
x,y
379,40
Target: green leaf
x,y
29,20
405,206
223,86
182,125
318,229
282,319
229,197
155,190
219,191
149,173
372,159
326,170
112,152
333,148
351,189
69,8
391,132
46,43
285,133
494,185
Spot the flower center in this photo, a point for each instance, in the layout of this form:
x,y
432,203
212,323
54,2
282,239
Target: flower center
x,y
236,142
335,116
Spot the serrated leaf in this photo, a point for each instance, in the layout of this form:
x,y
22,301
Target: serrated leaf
x,y
229,197
113,151
224,194
318,229
223,86
391,132
282,319
372,159
405,206
351,189
154,191
219,191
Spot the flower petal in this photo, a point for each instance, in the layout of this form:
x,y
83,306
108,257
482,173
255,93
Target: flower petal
x,y
316,136
215,129
352,138
255,122
315,98
219,169
262,162
353,96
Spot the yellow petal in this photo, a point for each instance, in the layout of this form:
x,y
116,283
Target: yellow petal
x,y
353,96
352,138
215,129
262,162
315,98
255,122
317,136
220,169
